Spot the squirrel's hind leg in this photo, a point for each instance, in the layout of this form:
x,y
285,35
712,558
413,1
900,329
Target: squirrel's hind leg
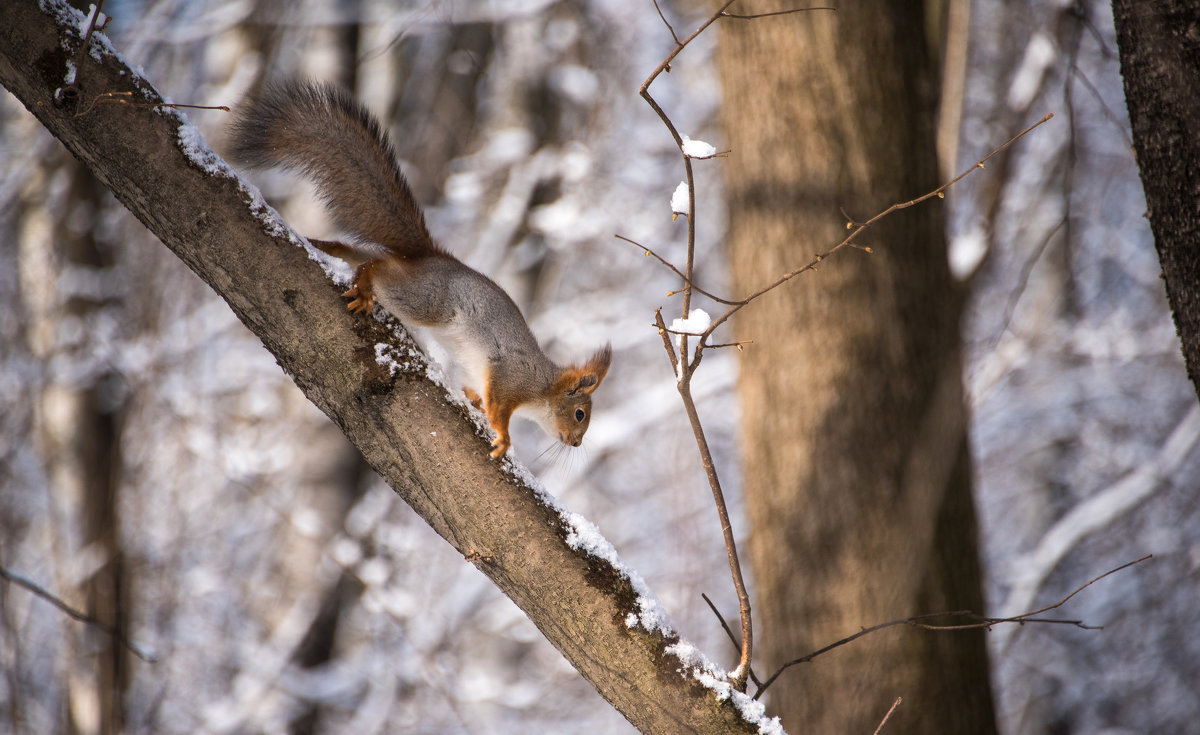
x,y
474,398
362,291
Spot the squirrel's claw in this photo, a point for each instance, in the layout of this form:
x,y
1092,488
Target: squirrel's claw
x,y
360,302
500,448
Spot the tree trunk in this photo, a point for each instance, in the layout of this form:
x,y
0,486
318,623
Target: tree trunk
x,y
857,471
1159,44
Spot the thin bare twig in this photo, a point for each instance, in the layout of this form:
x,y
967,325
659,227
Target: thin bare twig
x,y
687,283
1018,289
95,16
685,367
856,227
680,333
741,343
644,91
670,348
123,98
888,716
69,93
859,227
1076,73
22,581
666,22
729,632
978,622
1077,590
755,16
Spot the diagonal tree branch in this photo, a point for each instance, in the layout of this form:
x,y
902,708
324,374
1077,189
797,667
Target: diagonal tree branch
x,y
403,423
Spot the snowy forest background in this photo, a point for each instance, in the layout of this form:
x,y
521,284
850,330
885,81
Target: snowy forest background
x,y
280,587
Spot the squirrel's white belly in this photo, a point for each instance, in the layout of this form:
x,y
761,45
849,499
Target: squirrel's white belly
x,y
464,363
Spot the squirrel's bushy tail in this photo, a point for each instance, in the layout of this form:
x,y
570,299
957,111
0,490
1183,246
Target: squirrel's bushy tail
x,y
320,131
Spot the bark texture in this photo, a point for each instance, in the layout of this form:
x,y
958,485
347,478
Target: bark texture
x,y
403,424
857,473
1159,44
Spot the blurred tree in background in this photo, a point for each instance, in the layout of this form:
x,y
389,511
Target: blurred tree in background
x,y
858,481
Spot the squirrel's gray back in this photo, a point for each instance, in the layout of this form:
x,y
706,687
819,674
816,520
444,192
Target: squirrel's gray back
x,y
476,316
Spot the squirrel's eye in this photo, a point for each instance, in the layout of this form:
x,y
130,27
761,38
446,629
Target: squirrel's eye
x,y
580,415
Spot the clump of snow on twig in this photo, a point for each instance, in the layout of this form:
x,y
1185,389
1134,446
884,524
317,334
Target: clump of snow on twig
x,y
697,321
679,200
697,148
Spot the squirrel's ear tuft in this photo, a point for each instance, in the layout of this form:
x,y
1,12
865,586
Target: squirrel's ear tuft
x,y
594,370
587,383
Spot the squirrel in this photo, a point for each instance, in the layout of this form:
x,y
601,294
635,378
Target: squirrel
x,y
320,131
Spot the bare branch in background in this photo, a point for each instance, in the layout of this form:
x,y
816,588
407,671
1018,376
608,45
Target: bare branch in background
x,y
22,581
977,622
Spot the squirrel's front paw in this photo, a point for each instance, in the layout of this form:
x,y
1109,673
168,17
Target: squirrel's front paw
x,y
360,302
500,447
